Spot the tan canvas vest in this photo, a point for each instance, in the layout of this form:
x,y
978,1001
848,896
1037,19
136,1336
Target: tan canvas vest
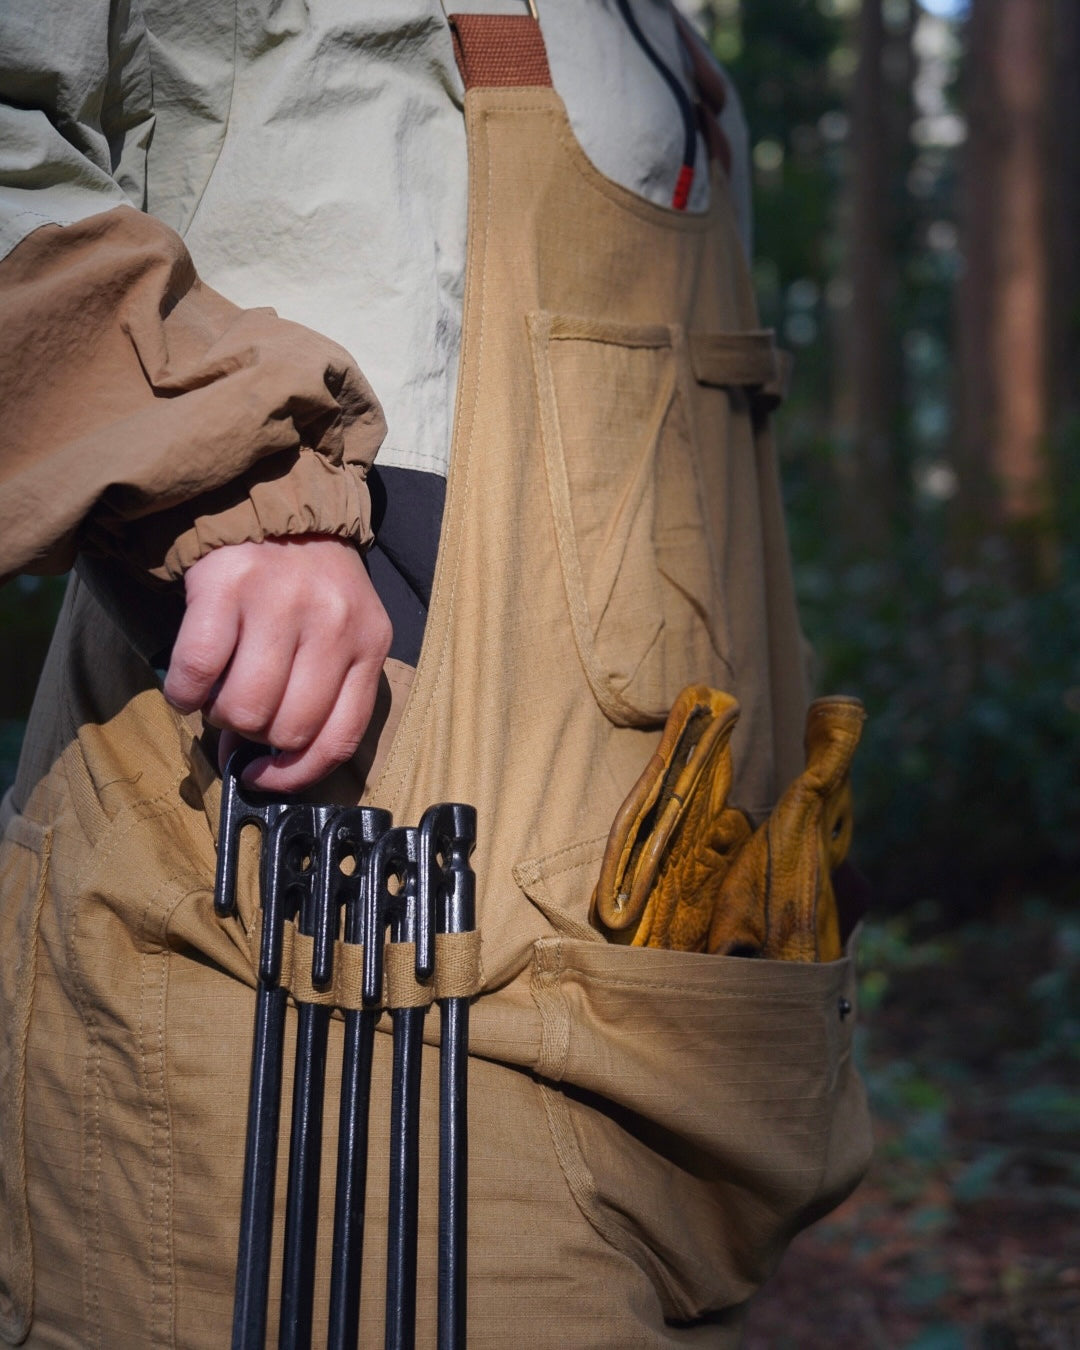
x,y
613,528
648,1128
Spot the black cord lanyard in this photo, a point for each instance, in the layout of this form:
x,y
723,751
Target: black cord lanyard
x,y
681,195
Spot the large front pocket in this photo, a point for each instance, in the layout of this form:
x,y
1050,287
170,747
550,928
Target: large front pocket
x,y
637,546
24,855
703,1108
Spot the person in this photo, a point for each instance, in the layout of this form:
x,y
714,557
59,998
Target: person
x,y
513,225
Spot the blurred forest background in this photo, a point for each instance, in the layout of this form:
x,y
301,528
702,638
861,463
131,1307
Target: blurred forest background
x,y
917,215
917,202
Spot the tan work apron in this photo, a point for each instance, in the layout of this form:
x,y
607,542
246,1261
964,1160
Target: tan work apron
x,y
648,1128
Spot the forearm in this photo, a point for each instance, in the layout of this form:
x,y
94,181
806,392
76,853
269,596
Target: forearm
x,y
146,415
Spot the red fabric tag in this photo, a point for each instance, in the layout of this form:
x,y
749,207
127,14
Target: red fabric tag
x,y
681,195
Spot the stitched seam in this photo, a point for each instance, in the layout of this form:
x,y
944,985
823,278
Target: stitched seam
x,y
559,853
547,993
681,222
170,1321
721,640
563,922
90,1069
145,1078
14,1323
155,1258
92,1272
580,1180
91,1184
666,217
562,327
570,867
680,988
38,215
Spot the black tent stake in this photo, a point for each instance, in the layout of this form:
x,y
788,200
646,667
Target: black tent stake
x,y
285,877
354,832
447,838
419,883
260,1167
394,862
305,1140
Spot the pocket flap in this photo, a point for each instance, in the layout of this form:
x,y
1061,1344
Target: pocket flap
x,y
740,361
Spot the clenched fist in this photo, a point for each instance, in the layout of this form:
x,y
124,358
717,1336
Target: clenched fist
x,y
282,642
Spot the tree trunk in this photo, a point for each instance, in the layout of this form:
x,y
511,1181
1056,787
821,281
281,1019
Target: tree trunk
x,y
1004,316
870,255
1064,203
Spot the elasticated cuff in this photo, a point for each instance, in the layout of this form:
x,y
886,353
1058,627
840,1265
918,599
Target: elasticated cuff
x,y
312,497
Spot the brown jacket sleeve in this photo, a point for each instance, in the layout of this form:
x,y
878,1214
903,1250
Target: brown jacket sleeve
x,y
146,417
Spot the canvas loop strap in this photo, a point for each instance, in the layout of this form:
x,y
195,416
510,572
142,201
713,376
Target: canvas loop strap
x,y
458,972
499,51
401,989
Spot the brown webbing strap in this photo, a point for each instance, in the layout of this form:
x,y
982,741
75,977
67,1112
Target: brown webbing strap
x,y
498,51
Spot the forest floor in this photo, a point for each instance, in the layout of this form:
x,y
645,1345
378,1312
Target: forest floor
x,y
965,1235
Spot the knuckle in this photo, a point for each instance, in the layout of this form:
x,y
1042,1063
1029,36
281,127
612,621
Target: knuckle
x,y
336,748
194,669
247,718
381,634
337,609
335,755
288,736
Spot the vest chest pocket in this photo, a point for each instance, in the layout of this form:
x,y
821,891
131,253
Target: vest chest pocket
x,y
647,455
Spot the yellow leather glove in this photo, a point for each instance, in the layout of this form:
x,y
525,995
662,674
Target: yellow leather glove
x,y
674,838
780,889
683,870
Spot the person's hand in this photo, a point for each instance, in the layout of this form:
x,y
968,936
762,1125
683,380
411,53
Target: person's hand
x,y
282,642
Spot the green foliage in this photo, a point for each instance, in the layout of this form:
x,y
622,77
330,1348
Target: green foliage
x,y
966,1225
28,609
982,1022
11,734
968,778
